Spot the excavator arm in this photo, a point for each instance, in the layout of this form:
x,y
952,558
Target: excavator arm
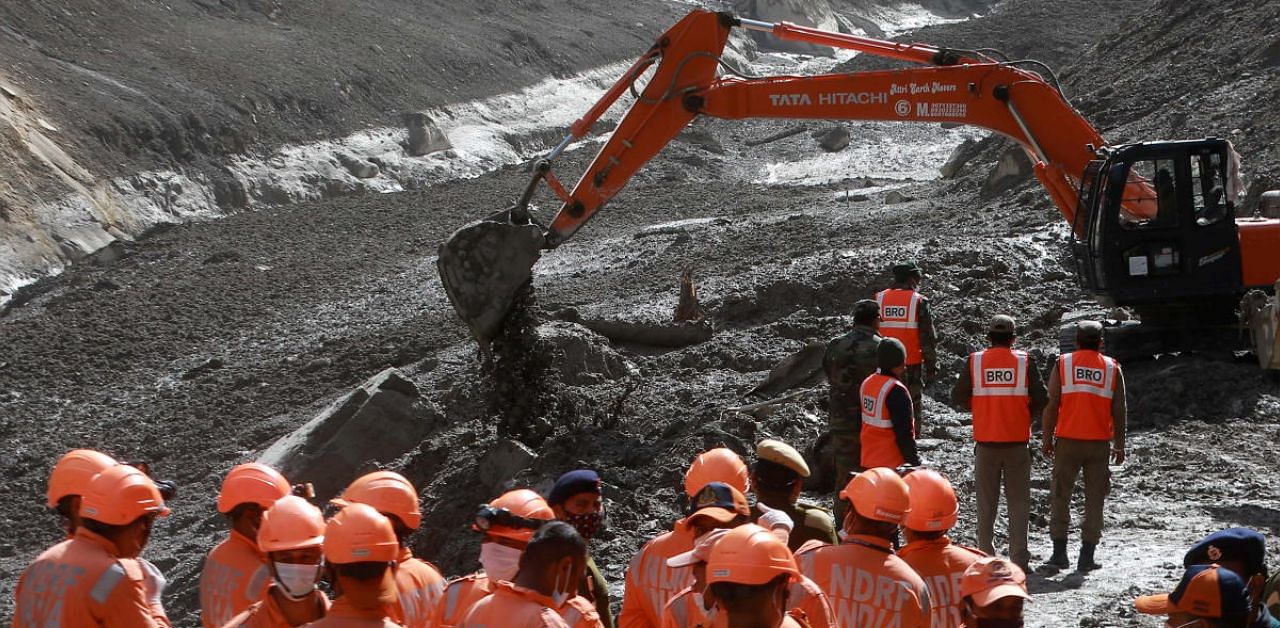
x,y
959,87
485,264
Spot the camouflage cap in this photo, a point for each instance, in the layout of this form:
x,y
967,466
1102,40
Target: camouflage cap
x,y
904,269
1002,324
866,307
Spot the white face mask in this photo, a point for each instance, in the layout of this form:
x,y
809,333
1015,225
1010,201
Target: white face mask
x,y
499,561
558,596
297,581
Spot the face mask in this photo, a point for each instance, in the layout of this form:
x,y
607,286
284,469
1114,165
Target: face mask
x,y
297,581
558,596
499,561
587,524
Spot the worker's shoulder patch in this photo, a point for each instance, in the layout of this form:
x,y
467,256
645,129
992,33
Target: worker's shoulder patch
x,y
132,568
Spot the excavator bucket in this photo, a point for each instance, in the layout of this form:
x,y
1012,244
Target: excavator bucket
x,y
483,266
1262,315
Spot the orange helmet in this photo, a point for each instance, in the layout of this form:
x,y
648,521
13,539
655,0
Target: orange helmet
x,y
119,495
72,472
289,524
750,554
879,494
933,501
251,483
716,465
514,515
360,534
389,493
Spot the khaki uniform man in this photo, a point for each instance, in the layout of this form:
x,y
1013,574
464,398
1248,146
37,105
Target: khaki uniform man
x,y
1004,390
777,480
905,315
849,360
1084,429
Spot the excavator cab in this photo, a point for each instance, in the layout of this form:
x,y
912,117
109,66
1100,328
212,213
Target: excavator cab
x,y
1156,231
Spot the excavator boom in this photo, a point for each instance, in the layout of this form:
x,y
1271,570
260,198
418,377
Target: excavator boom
x,y
486,263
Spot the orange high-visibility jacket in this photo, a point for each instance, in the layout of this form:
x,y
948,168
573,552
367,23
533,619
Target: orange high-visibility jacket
x,y
579,612
866,584
512,606
650,583
900,318
941,564
82,582
686,610
266,613
420,587
459,596
235,575
1001,398
879,442
1088,381
343,615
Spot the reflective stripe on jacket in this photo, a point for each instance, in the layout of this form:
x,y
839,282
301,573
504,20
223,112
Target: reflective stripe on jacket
x,y
235,575
1088,381
878,440
900,318
1001,399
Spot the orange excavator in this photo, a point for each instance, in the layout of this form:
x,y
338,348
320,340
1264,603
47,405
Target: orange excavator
x,y
1154,223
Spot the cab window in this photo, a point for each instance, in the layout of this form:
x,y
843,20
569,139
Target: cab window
x,y
1150,195
1209,196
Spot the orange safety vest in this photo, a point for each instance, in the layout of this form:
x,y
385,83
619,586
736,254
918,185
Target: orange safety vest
x,y
1001,403
82,582
941,565
1088,381
900,318
266,613
650,583
685,610
459,597
419,587
515,606
343,615
879,444
866,584
235,575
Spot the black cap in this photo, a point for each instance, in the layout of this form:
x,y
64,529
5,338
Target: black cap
x,y
1233,544
906,269
1089,330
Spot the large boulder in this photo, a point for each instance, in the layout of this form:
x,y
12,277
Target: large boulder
x,y
424,136
1013,168
581,356
376,423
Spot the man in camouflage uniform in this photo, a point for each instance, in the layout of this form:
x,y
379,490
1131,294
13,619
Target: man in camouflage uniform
x,y
850,359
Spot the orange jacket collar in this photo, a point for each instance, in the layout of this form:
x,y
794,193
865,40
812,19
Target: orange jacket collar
x,y
84,534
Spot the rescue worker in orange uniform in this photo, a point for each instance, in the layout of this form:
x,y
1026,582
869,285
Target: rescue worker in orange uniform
x,y
888,435
940,563
694,607
905,315
650,583
577,497
867,585
235,573
550,568
750,574
507,524
1084,428
1004,390
419,582
94,577
70,476
360,551
291,535
993,592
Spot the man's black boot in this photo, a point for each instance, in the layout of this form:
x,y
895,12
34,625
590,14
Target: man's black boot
x,y
1086,562
1059,558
